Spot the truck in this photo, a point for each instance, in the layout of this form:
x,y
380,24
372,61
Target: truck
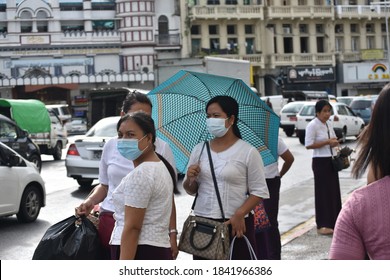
x,y
42,125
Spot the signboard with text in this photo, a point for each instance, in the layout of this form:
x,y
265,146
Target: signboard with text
x,y
366,72
310,74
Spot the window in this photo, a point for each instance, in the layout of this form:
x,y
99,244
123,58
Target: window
x,y
231,29
302,2
287,29
232,45
370,28
339,44
248,29
231,2
354,28
213,29
195,30
212,2
339,28
304,44
370,42
320,44
303,29
249,45
214,44
355,44
320,28
196,46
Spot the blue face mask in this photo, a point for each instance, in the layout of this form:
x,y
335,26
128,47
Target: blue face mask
x,y
128,148
216,126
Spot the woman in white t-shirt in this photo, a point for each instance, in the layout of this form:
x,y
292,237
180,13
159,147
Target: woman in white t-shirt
x,y
112,168
239,172
321,138
143,200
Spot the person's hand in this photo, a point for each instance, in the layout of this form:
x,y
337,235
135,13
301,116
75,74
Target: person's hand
x,y
333,142
193,172
174,248
237,221
85,208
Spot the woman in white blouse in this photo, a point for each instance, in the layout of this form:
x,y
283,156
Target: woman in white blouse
x,y
321,138
239,172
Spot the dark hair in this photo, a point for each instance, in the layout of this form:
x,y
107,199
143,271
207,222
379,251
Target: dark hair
x,y
321,104
230,106
146,123
134,97
374,145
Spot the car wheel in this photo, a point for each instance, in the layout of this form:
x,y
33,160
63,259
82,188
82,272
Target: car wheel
x,y
36,159
57,152
85,183
289,132
30,205
360,131
343,137
301,138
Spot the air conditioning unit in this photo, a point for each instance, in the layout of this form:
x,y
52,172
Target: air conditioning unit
x,y
286,30
146,68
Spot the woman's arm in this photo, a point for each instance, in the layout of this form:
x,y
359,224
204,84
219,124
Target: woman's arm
x,y
134,218
97,195
190,184
333,142
238,219
288,158
173,230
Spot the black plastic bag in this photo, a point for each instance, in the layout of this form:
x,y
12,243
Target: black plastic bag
x,y
70,239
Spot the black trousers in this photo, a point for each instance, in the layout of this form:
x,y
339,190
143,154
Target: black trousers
x,y
326,192
268,245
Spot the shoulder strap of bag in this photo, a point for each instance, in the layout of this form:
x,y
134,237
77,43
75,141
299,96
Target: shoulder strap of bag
x,y
327,127
214,179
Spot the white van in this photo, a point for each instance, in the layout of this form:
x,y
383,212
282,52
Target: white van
x,y
63,112
277,101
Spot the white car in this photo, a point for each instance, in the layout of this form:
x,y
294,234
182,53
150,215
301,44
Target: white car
x,y
288,116
344,120
22,189
83,155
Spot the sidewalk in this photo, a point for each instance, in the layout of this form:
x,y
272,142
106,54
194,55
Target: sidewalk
x,y
302,242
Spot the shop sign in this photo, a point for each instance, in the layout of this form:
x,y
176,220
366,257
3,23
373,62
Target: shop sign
x,y
365,72
310,74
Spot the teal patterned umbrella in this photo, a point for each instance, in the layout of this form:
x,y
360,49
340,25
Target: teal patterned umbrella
x,y
179,110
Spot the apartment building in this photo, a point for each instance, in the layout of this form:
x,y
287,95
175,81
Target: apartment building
x,y
339,46
84,53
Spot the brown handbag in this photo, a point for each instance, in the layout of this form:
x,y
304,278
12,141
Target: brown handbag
x,y
205,237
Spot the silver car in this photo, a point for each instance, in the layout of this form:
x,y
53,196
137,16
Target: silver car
x,y
83,156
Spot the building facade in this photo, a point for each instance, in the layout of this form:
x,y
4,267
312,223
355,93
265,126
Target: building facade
x,y
295,44
84,53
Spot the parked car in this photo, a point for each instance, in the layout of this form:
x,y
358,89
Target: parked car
x,y
288,116
78,126
344,120
83,155
362,107
16,138
345,99
22,189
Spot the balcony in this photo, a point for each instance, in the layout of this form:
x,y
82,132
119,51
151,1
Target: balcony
x,y
315,59
227,12
255,59
300,12
167,41
360,11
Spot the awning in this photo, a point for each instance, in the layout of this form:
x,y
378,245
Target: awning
x,y
32,88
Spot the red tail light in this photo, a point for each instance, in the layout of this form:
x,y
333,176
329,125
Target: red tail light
x,y
72,151
335,118
293,119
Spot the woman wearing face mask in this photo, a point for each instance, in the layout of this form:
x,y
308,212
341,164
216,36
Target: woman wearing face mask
x,y
239,171
143,200
112,168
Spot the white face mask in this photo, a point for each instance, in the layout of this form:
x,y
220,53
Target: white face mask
x,y
216,126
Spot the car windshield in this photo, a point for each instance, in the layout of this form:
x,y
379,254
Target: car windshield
x,y
308,111
361,104
104,128
292,108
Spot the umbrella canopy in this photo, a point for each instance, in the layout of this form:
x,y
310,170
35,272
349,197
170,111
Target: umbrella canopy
x,y
179,109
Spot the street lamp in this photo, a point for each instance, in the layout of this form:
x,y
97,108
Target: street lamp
x,y
386,5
